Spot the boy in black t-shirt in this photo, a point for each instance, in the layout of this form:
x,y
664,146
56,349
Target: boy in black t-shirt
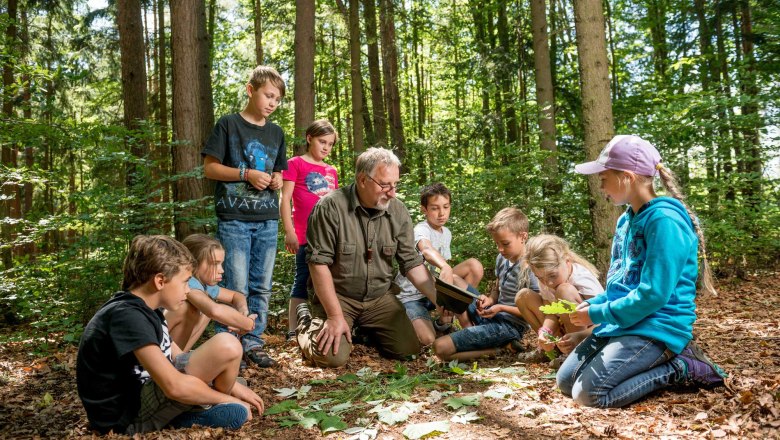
x,y
132,378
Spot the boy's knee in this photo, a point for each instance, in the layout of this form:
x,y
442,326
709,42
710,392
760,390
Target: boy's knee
x,y
523,297
475,267
229,346
444,348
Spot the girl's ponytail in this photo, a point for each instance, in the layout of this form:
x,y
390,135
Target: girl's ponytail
x,y
669,181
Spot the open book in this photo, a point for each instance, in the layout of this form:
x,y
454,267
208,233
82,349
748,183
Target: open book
x,y
452,297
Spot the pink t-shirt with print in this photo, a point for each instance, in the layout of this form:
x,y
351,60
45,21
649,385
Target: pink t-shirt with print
x,y
312,182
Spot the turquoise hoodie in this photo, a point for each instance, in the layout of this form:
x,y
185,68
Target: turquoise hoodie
x,y
651,283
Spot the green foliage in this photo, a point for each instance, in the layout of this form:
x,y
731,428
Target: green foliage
x,y
560,307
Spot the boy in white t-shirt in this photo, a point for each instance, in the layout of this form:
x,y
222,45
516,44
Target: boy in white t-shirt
x,y
432,240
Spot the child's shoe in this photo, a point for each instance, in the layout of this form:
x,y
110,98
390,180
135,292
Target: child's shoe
x,y
532,357
442,328
224,415
259,357
699,369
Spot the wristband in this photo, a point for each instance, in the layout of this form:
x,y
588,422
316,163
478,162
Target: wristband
x,y
544,331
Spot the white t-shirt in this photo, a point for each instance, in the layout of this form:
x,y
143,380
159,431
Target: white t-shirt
x,y
440,240
581,278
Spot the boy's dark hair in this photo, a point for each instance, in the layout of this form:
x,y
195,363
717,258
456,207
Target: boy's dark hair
x,y
153,254
262,74
436,189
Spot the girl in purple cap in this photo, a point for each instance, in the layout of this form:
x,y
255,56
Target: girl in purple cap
x,y
643,340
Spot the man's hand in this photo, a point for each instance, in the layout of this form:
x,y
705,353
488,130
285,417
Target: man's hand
x,y
276,181
580,316
260,180
248,397
330,335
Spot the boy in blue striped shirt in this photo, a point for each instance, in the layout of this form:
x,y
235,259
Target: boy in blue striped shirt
x,y
495,319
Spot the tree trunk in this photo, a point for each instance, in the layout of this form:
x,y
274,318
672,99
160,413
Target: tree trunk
x,y
164,155
596,116
258,15
28,249
355,76
375,79
706,76
390,66
484,54
191,120
545,99
510,116
656,14
337,96
749,89
304,69
134,92
9,151
725,113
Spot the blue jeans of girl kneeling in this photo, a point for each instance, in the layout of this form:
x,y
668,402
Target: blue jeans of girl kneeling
x,y
613,372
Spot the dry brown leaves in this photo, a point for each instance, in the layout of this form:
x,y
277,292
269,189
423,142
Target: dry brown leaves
x,y
738,329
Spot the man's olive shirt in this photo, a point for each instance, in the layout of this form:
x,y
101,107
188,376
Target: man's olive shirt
x,y
340,234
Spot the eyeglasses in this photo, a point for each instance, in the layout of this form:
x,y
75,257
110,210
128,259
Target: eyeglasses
x,y
386,187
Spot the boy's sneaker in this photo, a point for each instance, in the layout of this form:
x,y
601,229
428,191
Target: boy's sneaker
x,y
259,357
532,357
700,369
303,315
443,328
224,415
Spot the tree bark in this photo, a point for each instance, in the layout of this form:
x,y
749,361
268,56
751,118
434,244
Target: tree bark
x,y
9,151
545,99
374,76
304,69
192,107
749,88
258,16
596,115
355,76
390,66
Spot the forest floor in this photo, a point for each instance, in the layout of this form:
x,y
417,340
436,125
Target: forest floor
x,y
493,399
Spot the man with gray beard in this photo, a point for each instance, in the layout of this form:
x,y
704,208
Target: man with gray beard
x,y
354,234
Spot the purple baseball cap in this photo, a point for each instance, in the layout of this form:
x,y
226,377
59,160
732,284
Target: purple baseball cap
x,y
624,153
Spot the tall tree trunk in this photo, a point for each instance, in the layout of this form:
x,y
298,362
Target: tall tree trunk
x,y
131,48
375,79
725,112
749,89
613,56
596,115
521,79
9,152
191,121
337,96
355,76
304,69
164,156
656,14
510,116
545,99
484,54
258,15
390,66
706,66
28,249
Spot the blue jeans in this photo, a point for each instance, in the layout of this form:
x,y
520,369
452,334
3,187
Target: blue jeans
x,y
613,372
250,253
486,332
301,275
419,309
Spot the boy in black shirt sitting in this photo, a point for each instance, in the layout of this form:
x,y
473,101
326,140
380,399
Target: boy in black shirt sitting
x,y
132,378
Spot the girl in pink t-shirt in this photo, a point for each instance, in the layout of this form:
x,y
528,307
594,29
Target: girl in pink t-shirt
x,y
307,179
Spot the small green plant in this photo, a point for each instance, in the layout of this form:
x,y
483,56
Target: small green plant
x,y
560,307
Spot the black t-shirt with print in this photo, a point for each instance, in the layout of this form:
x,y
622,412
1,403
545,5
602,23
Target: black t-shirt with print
x,y
236,142
108,375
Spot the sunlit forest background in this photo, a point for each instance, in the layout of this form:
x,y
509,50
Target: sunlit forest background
x,y
106,105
